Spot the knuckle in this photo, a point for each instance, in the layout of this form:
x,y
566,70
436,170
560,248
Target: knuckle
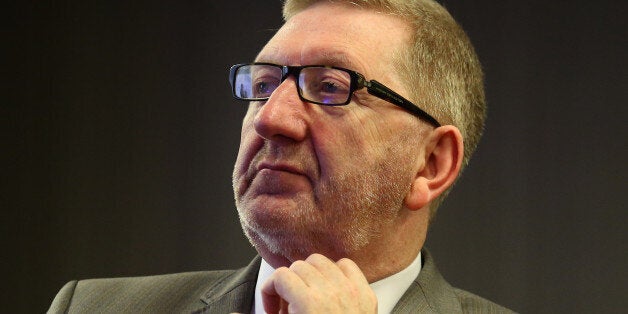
x,y
316,257
281,271
296,265
345,262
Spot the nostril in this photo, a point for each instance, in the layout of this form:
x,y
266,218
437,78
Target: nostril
x,y
281,117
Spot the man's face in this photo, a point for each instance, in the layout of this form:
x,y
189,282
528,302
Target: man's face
x,y
311,178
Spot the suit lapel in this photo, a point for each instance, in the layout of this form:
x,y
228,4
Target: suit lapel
x,y
429,293
234,293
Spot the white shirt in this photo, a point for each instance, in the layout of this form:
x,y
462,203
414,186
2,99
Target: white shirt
x,y
388,290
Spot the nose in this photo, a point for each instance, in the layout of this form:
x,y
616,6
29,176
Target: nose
x,y
282,117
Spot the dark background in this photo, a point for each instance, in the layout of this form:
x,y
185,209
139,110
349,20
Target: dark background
x,y
119,136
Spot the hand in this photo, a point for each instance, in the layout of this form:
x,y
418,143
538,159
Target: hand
x,y
318,285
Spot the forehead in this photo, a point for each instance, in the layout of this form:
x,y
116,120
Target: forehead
x,y
337,34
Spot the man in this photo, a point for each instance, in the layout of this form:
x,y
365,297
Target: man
x,y
338,172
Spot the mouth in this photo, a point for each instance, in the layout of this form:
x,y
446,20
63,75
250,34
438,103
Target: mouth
x,y
280,167
276,178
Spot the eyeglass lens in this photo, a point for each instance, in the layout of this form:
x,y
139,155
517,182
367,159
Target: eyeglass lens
x,y
316,84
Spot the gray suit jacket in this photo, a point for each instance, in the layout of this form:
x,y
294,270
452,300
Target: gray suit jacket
x,y
232,291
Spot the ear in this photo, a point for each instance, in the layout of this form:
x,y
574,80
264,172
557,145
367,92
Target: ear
x,y
439,168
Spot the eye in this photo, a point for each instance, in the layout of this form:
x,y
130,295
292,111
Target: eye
x,y
263,87
329,87
324,85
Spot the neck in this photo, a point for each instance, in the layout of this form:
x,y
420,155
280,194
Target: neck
x,y
397,246
385,255
395,249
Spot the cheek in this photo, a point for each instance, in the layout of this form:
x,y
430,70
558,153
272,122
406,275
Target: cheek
x,y
374,144
343,149
369,137
249,143
335,144
248,122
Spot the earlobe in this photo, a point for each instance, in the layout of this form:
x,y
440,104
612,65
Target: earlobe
x,y
419,194
442,162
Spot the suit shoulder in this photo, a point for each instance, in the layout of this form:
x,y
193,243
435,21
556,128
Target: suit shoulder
x,y
472,303
165,278
124,294
63,298
167,284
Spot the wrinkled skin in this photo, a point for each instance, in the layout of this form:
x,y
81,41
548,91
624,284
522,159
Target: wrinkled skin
x,y
328,180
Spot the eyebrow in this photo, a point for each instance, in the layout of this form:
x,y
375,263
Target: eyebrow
x,y
318,57
334,58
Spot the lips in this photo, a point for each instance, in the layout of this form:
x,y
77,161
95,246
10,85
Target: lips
x,y
280,167
261,167
272,178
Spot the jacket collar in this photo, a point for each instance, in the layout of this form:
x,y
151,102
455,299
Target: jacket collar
x,y
234,292
429,293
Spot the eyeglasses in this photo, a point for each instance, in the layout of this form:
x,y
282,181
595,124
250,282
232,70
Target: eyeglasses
x,y
317,84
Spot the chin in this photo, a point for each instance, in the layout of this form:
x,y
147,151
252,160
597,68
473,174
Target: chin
x,y
280,247
279,250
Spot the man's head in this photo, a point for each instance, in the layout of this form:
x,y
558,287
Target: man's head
x,y
342,180
439,65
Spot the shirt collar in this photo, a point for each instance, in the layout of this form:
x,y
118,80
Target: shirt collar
x,y
265,270
388,290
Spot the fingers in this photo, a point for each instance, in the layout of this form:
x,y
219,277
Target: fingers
x,y
352,271
326,267
283,284
318,285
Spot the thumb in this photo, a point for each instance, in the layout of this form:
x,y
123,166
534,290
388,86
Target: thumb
x,y
271,299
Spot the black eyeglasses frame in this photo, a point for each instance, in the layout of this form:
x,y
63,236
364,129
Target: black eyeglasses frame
x,y
358,82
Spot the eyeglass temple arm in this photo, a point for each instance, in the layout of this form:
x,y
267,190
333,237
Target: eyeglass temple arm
x,y
378,89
